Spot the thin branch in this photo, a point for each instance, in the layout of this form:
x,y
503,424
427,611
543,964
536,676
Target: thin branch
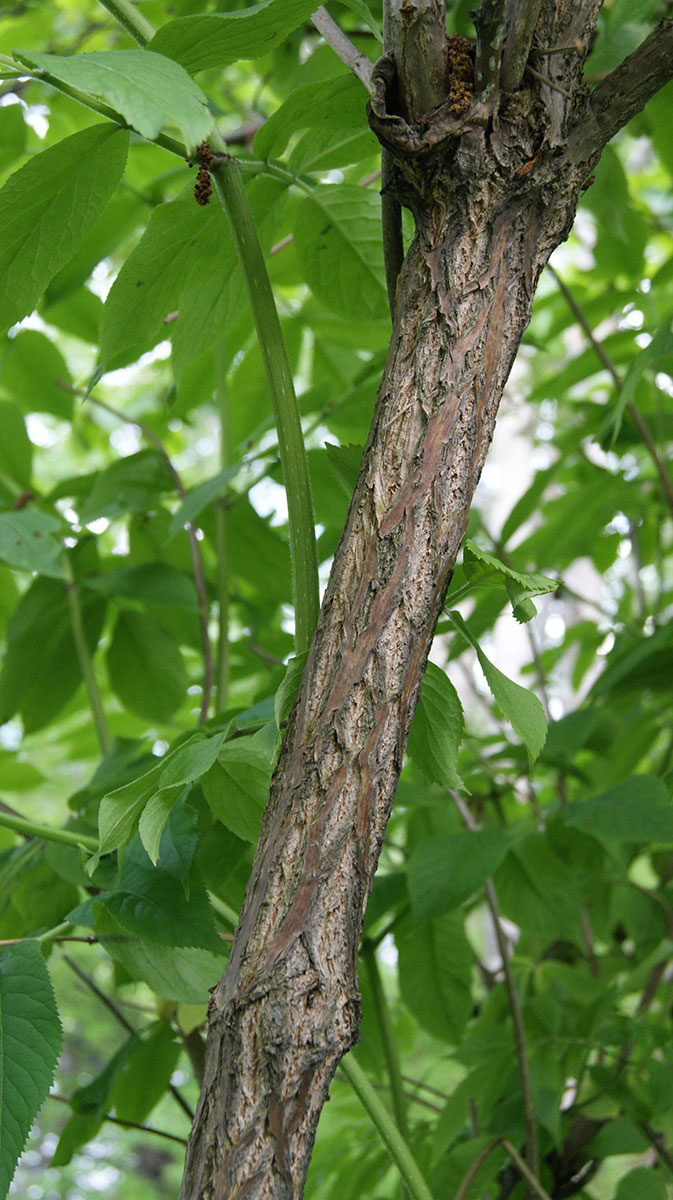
x,y
469,1176
520,25
623,93
657,1140
523,1168
194,548
303,553
358,63
390,1134
131,19
635,414
387,1037
163,1133
221,534
555,87
532,1153
32,829
119,1016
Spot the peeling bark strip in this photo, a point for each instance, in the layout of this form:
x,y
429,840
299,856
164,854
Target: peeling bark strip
x,y
493,193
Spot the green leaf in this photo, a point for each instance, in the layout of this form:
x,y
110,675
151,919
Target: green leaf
x,y
27,542
540,891
637,810
30,1043
131,484
518,706
151,903
488,571
621,1136
437,729
90,1105
236,787
361,9
285,696
158,789
200,497
169,266
146,1074
345,462
40,670
145,666
16,449
12,133
201,42
47,209
660,347
148,583
332,105
177,973
642,1183
337,234
435,971
34,373
150,91
443,872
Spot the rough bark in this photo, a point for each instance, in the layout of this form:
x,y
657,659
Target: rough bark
x,y
493,192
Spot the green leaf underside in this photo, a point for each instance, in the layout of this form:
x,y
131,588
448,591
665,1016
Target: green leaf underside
x,y
236,787
437,729
337,234
47,209
635,811
145,666
488,571
332,104
30,1043
147,89
520,707
215,40
444,872
178,973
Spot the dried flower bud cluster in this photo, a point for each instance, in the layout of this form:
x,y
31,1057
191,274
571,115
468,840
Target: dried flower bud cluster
x,y
203,186
459,62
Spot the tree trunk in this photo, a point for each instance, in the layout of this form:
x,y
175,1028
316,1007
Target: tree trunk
x,y
492,198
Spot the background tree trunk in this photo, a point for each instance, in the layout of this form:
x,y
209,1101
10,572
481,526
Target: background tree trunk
x,y
491,203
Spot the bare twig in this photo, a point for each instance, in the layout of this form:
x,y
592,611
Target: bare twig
x,y
119,1016
358,63
635,414
466,1181
163,1133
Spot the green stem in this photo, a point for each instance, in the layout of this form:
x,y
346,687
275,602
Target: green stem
x,y
221,542
84,660
31,829
229,188
387,1037
131,20
390,1134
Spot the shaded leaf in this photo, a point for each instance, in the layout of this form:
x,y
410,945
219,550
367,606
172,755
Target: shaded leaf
x,y
635,811
30,1043
437,729
215,40
47,209
27,542
443,872
145,666
520,707
435,970
337,234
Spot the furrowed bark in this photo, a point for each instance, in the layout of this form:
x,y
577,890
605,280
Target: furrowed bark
x,y
493,193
